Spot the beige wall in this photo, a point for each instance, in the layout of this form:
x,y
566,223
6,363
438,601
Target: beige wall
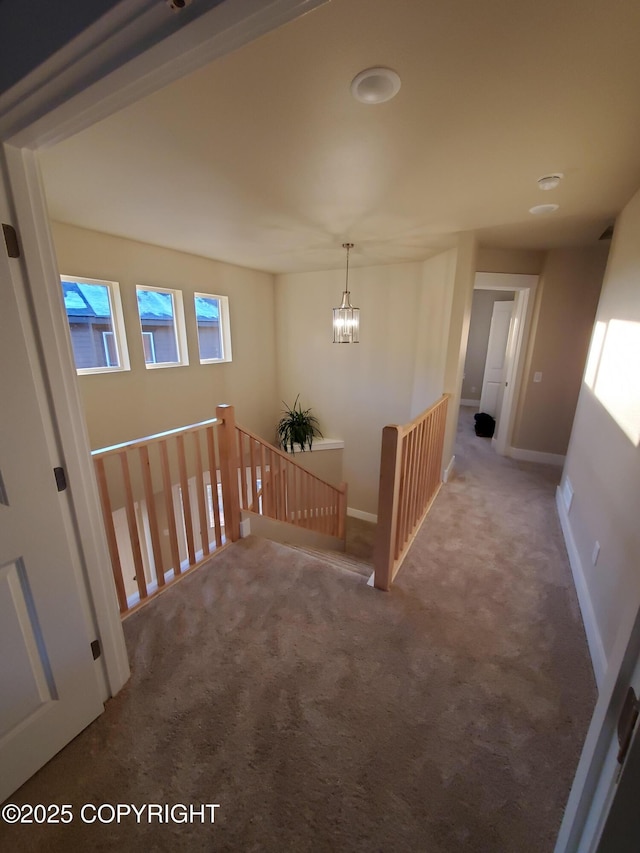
x,y
565,308
355,390
520,261
433,321
458,335
603,463
478,343
123,406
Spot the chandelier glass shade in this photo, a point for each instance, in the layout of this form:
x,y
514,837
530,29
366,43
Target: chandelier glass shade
x,y
346,318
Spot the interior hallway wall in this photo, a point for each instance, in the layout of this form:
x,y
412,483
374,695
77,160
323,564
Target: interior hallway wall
x,y
130,404
603,458
566,302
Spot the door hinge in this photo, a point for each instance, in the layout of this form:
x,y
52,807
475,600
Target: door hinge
x,y
96,651
61,479
11,240
626,723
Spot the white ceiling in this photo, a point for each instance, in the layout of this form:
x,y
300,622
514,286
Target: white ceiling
x,y
264,159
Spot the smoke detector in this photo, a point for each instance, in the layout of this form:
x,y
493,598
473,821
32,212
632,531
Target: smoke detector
x,y
550,182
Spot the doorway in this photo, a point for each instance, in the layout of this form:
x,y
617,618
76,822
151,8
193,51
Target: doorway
x,y
520,289
486,349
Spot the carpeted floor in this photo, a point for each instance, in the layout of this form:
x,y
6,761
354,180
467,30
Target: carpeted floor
x,y
446,716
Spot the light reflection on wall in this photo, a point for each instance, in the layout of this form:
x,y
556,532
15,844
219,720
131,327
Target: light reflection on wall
x,y
613,373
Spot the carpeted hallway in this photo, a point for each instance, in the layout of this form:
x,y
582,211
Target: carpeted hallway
x,y
446,716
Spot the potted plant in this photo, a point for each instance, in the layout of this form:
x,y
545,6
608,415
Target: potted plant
x,y
297,426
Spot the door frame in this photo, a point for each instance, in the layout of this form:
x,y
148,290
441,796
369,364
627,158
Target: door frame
x,y
135,49
524,288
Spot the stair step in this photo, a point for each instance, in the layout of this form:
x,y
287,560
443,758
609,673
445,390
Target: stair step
x,y
337,558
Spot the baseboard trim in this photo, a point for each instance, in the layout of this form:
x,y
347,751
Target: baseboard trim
x,y
363,516
474,403
536,456
594,640
448,470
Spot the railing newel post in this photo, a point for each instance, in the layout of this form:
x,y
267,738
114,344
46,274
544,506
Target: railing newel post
x,y
388,498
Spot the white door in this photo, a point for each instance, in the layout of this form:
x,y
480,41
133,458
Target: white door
x,y
494,369
48,687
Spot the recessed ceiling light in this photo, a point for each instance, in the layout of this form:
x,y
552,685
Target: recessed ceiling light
x,y
550,182
541,209
375,85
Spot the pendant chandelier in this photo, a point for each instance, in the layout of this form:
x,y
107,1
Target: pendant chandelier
x,y
346,318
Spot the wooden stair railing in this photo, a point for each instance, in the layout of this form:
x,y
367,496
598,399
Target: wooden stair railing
x,y
276,486
410,479
171,499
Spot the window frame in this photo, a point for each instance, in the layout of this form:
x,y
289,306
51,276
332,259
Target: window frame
x,y
117,325
224,327
179,328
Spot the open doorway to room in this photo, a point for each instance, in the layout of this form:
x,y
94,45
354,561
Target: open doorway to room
x,y
499,328
491,314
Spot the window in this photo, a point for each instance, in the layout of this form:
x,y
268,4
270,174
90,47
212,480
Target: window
x,y
162,323
94,312
212,321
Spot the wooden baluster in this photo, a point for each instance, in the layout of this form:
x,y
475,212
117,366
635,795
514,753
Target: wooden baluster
x,y
282,491
342,511
327,509
295,506
133,526
167,488
304,499
420,471
201,497
229,471
263,481
254,475
413,471
186,499
275,469
242,469
312,502
267,490
285,491
151,513
112,542
434,462
213,482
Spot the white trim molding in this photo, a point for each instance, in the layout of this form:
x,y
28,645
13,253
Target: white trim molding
x,y
446,474
474,403
594,639
536,456
132,51
321,444
363,516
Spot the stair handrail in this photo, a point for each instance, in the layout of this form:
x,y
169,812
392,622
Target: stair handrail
x,y
410,479
299,496
195,480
